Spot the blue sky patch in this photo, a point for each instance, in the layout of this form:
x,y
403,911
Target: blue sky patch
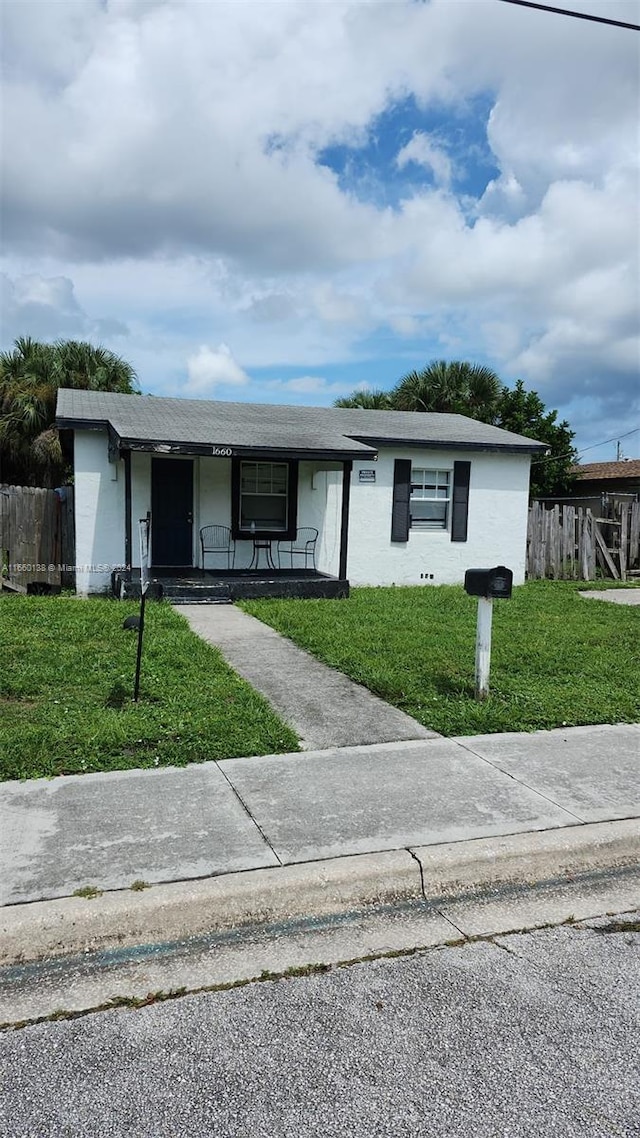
x,y
371,173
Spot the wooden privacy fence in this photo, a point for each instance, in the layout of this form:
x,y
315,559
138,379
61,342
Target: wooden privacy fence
x,y
570,543
37,537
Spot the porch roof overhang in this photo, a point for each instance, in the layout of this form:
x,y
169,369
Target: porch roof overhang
x,y
160,447
119,444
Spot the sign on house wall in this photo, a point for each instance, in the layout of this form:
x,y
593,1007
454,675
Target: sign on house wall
x,y
366,475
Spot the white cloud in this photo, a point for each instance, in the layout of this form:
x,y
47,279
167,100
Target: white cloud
x,y
184,196
308,384
159,158
209,368
159,155
337,307
273,307
319,389
56,292
404,324
46,308
422,151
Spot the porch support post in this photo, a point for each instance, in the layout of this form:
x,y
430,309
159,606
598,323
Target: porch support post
x,y
344,523
128,545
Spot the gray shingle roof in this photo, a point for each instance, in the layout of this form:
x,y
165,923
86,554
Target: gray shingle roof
x,y
261,426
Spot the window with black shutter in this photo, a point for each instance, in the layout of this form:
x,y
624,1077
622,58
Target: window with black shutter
x,y
430,498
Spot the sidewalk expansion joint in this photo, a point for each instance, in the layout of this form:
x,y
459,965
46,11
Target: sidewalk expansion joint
x,y
521,782
389,745
249,814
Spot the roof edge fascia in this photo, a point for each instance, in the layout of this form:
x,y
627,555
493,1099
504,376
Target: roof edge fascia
x,y
439,444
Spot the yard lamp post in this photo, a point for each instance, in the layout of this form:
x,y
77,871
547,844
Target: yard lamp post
x,y
145,530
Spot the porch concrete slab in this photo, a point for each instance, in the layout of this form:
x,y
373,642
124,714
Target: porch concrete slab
x,y
323,706
364,799
616,596
594,772
109,830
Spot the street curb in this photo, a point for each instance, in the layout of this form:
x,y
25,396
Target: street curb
x,y
254,898
518,860
182,909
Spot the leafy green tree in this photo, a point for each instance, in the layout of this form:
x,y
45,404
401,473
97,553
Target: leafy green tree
x,y
367,400
462,388
524,413
30,375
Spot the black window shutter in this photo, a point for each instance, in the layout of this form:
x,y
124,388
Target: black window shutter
x,y
401,496
460,508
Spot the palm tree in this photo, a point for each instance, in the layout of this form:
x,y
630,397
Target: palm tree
x,y
367,400
30,375
452,386
94,369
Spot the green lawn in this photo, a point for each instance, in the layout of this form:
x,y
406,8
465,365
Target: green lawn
x,y
557,658
66,682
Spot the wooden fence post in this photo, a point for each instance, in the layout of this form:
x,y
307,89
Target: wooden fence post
x,y
624,537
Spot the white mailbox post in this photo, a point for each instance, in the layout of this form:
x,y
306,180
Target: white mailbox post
x,y
486,585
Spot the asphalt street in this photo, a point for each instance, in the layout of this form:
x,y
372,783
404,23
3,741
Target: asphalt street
x,y
527,1034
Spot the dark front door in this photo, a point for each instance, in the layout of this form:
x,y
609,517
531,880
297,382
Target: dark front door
x,y
172,511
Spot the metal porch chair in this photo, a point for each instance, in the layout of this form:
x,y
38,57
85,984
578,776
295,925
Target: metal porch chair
x,y
303,545
218,539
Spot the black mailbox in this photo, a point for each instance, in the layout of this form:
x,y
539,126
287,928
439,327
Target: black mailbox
x,y
490,583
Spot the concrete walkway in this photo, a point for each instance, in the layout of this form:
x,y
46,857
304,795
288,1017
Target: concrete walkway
x,y
324,707
615,596
110,830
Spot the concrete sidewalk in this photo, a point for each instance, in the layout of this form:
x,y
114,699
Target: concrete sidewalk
x,y
110,830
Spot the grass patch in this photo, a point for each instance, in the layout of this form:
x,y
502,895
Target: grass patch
x,y
66,690
88,892
557,659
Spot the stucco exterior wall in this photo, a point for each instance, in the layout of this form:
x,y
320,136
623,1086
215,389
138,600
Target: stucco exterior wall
x,y
497,522
99,512
319,505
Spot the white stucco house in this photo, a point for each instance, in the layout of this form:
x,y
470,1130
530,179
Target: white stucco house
x,y
395,497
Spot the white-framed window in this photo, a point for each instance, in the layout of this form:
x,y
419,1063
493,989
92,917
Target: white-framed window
x,y
264,496
430,498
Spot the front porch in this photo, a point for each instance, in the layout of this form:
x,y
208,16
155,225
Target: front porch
x,y
224,586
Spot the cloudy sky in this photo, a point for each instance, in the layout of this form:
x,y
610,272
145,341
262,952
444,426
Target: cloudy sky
x,y
282,201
